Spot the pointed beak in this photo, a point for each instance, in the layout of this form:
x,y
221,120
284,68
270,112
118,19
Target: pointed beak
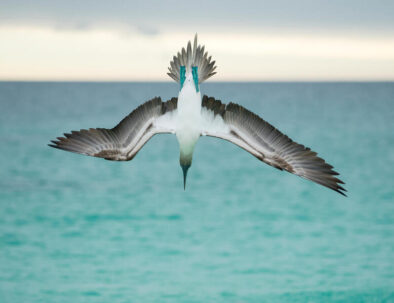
x,y
185,168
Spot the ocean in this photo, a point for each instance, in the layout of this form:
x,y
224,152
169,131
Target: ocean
x,y
82,229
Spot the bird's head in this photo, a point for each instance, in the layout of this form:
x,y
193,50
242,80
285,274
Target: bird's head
x,y
185,168
185,160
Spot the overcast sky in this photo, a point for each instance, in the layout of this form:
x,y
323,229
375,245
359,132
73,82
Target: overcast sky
x,y
250,40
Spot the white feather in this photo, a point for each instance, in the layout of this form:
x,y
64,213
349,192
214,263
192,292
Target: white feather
x,y
188,119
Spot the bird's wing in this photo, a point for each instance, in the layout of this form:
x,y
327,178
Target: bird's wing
x,y
238,125
122,142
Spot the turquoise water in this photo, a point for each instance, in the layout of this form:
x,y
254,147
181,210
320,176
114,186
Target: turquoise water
x,y
81,229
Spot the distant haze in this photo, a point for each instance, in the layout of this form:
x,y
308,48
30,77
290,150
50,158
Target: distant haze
x,y
250,40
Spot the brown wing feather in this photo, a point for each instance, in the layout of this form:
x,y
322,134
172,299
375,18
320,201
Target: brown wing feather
x,y
268,144
122,142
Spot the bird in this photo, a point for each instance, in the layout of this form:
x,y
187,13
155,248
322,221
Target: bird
x,y
190,116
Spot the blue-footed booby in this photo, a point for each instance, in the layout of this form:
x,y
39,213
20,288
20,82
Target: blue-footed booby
x,y
190,116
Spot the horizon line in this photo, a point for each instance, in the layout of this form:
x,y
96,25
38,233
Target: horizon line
x,y
211,81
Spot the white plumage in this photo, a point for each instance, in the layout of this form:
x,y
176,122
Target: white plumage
x,y
188,121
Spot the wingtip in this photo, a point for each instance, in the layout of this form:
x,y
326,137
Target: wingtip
x,y
54,146
339,189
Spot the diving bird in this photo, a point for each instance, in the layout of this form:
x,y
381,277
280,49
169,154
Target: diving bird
x,y
191,116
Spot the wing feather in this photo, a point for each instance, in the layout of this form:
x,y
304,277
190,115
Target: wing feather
x,y
240,126
122,142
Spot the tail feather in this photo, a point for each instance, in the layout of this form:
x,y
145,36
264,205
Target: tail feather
x,y
192,56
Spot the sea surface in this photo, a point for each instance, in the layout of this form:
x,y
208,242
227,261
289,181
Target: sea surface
x,y
82,229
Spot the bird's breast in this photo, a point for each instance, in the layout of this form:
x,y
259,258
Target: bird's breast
x,y
188,128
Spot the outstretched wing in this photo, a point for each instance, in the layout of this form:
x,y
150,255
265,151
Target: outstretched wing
x,y
238,125
122,142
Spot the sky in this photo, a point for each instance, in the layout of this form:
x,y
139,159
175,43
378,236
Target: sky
x,y
283,40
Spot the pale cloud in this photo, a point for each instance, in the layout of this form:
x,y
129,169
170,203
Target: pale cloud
x,y
37,53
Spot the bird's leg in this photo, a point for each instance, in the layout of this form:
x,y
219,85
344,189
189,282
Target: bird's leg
x,y
195,77
182,75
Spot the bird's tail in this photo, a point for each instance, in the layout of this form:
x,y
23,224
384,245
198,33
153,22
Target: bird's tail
x,y
192,57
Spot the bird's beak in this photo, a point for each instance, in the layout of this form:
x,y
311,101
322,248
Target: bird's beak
x,y
185,168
